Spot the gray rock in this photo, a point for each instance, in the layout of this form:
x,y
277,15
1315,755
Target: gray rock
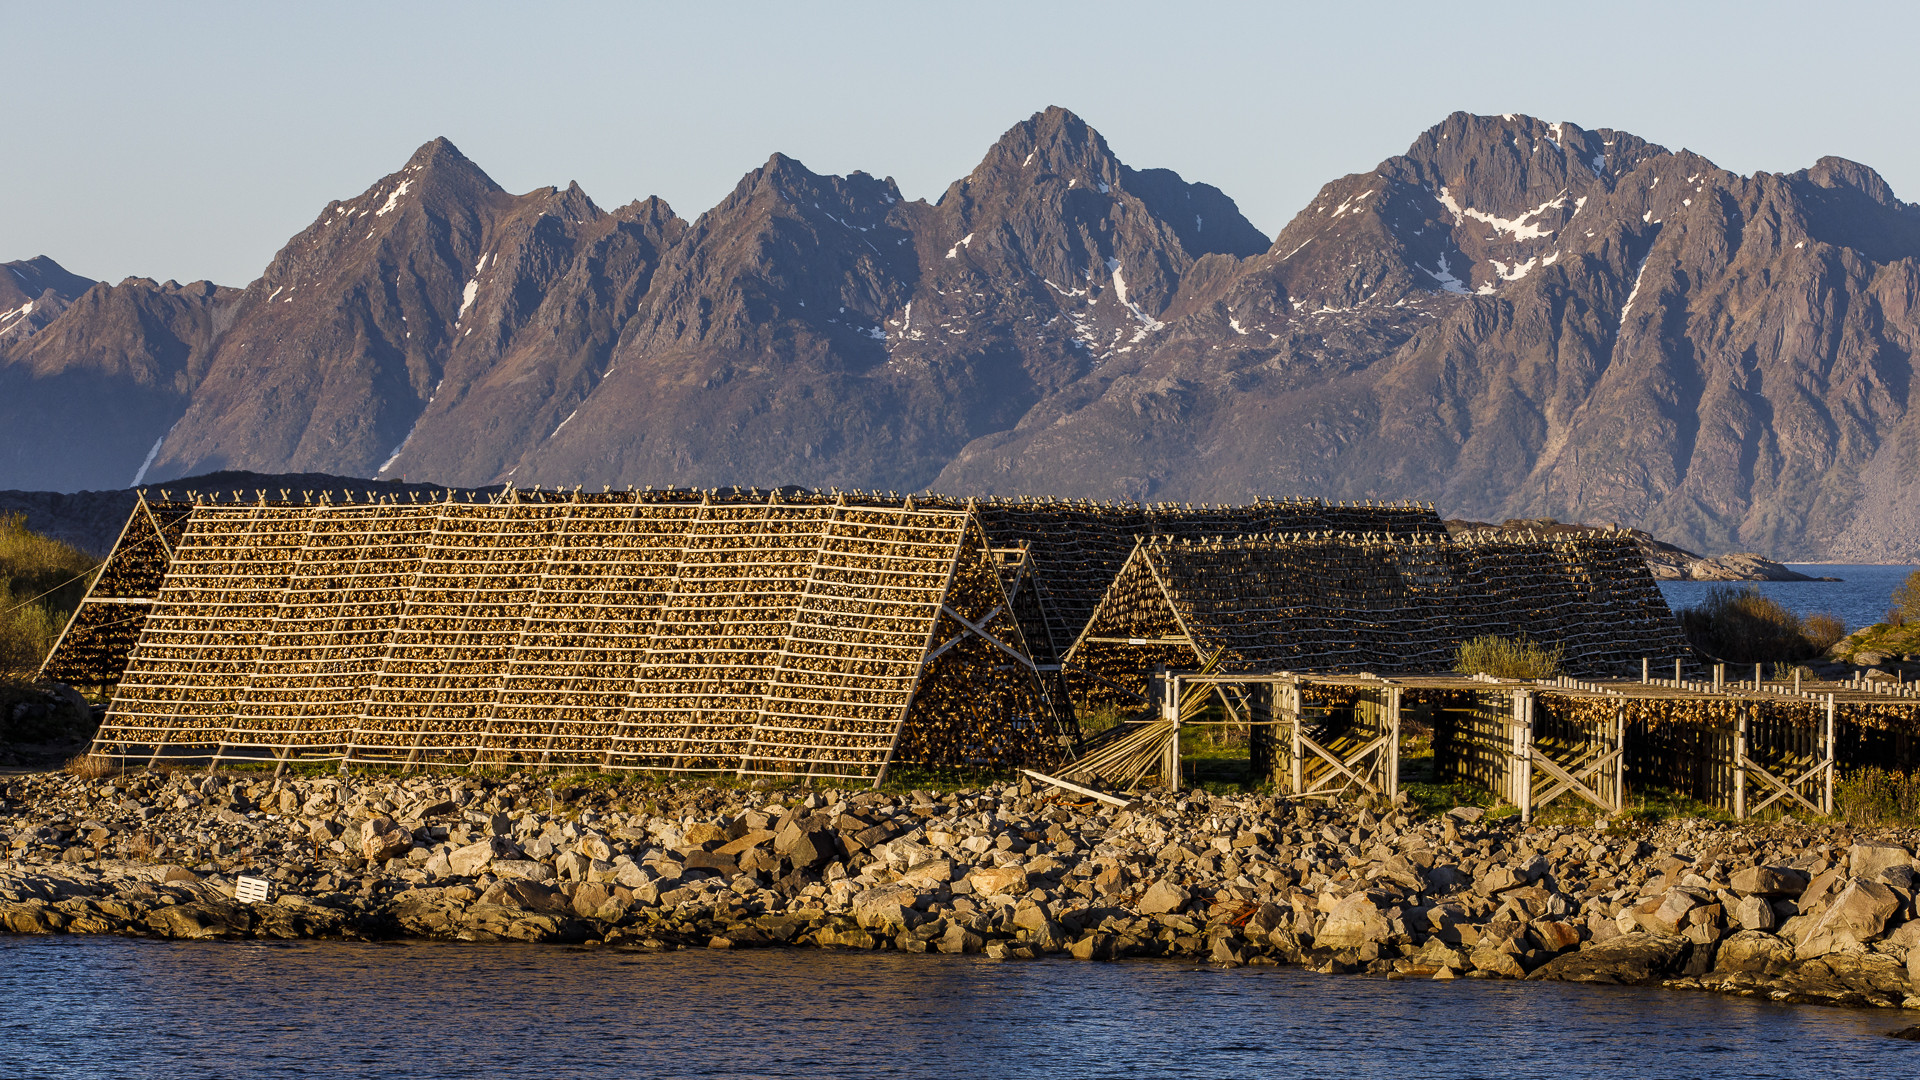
x,y
1768,881
1871,859
1754,952
1754,913
1629,959
1163,898
1857,915
1355,921
470,860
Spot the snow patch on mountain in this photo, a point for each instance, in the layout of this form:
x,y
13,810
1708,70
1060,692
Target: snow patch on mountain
x,y
1516,227
393,200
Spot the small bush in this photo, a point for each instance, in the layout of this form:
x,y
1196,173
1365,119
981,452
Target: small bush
x,y
1509,658
1744,627
41,581
1906,601
1877,797
1095,719
90,767
1823,631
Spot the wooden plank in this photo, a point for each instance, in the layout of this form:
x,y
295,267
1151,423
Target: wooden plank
x,y
1069,785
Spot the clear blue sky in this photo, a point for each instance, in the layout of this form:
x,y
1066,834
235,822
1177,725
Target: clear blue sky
x,y
189,141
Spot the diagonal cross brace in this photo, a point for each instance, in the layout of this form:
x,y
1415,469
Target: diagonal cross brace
x,y
1570,781
979,630
1784,788
1334,760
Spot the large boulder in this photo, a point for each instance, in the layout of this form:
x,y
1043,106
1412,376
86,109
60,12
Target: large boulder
x,y
1754,913
382,839
1355,921
805,845
1753,952
1858,915
885,908
472,859
522,894
1868,861
1768,881
1163,898
931,874
1628,959
994,880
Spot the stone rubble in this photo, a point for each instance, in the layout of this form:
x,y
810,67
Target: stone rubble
x,y
1785,911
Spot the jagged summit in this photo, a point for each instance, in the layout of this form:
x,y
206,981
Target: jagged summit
x,y
1515,318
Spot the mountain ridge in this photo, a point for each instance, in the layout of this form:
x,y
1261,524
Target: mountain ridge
x,y
1514,319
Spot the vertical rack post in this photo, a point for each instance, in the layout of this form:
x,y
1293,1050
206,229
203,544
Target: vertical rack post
x,y
1392,779
1296,703
1523,753
1619,791
1740,763
1170,712
1826,784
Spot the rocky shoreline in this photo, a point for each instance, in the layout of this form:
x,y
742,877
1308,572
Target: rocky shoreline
x,y
1815,913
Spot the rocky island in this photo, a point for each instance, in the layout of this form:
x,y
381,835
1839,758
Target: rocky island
x,y
1784,910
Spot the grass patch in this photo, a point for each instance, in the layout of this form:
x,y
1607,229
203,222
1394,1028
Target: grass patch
x,y
1508,658
1873,796
1905,602
41,581
1741,626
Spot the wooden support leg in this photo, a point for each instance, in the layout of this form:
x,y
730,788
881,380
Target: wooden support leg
x,y
1170,714
1740,765
1298,751
1392,785
1826,785
1523,753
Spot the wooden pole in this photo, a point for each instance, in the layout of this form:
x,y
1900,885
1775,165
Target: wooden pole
x,y
1620,762
1826,786
1523,753
1299,752
1740,764
1170,712
1646,670
1392,785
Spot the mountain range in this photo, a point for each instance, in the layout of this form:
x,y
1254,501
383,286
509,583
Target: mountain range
x,y
1513,319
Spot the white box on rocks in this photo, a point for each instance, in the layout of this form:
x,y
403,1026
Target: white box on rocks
x,y
252,890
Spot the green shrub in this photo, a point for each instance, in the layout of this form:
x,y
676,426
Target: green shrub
x,y
1877,797
1906,601
1509,658
41,581
1742,626
1823,631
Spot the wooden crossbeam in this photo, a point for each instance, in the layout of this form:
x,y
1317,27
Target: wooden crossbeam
x,y
979,630
1342,766
1570,781
1783,787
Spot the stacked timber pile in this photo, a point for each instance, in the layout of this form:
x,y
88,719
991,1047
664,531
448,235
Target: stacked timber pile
x,y
1076,547
1372,602
749,631
1781,911
656,631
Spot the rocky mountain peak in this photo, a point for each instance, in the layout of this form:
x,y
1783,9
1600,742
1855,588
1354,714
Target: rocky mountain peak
x,y
1515,318
1837,172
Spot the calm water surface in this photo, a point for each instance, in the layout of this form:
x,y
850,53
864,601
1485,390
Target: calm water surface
x,y
111,1007
1861,599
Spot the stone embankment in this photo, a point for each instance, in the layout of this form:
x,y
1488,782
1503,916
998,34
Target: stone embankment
x,y
1792,912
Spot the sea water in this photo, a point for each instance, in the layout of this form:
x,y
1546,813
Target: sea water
x,y
1861,598
122,1007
